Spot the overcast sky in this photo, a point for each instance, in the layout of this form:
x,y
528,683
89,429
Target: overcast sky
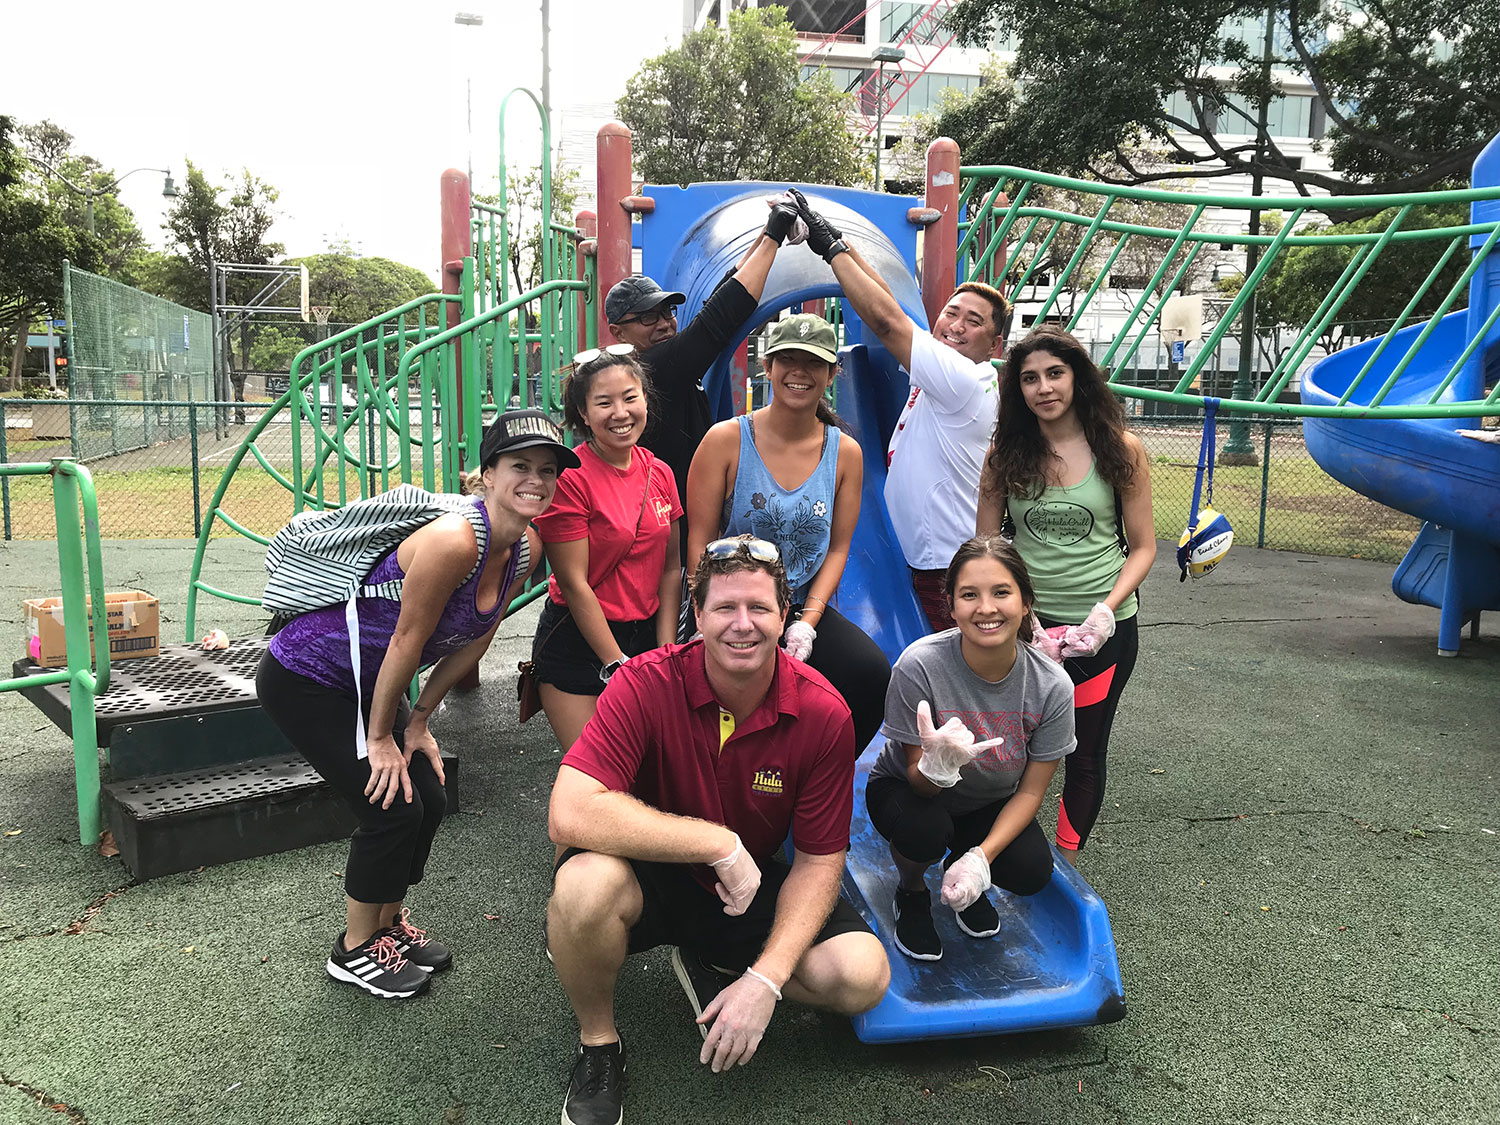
x,y
351,110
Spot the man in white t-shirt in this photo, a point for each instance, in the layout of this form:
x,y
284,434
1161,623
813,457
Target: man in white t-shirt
x,y
937,449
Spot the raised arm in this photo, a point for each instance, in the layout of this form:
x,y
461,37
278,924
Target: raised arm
x,y
873,301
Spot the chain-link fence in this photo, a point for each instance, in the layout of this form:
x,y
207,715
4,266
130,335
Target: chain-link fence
x,y
164,490
127,347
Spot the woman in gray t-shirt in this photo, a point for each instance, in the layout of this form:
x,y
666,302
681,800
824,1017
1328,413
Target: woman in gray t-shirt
x,y
935,790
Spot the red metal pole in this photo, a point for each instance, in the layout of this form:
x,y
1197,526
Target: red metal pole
x,y
940,240
588,228
454,193
612,264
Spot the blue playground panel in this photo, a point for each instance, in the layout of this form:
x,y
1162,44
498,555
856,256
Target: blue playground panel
x,y
1052,964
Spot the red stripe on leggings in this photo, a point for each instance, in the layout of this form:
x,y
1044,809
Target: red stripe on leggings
x,y
1095,689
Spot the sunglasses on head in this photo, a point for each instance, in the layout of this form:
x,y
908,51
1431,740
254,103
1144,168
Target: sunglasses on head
x,y
587,357
653,317
757,549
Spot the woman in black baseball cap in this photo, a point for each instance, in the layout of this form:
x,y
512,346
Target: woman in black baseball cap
x,y
436,598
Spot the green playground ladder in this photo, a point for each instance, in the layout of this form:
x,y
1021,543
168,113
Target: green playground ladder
x,y
422,390
1014,217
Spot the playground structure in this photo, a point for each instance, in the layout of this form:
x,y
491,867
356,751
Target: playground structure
x,y
426,374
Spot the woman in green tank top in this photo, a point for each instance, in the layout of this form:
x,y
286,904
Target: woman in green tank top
x,y
1071,486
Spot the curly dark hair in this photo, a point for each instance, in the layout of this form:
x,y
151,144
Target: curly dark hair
x,y
576,384
1017,463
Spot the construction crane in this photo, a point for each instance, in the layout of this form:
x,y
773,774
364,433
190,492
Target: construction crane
x,y
922,38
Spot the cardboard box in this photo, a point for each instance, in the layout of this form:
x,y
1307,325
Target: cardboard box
x,y
131,617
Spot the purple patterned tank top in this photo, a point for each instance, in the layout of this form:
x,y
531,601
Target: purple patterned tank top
x,y
316,644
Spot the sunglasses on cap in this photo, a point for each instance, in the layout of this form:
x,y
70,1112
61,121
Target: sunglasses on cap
x,y
651,318
582,359
757,549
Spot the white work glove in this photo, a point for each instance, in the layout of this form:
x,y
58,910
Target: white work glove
x,y
1089,638
946,749
798,640
1048,641
739,1015
966,880
739,879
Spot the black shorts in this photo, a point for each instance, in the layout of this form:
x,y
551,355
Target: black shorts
x,y
565,660
678,910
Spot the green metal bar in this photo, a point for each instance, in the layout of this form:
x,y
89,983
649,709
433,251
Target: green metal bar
x,y
1083,248
1098,281
1036,258
1362,203
1459,286
226,595
1140,338
1239,301
1150,289
1400,322
1476,409
1013,212
1458,366
243,530
974,228
1334,300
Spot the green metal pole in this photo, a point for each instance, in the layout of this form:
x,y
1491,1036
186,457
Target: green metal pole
x,y
80,672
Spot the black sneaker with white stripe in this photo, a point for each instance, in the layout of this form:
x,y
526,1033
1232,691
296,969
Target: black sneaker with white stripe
x,y
596,1086
377,967
700,980
426,953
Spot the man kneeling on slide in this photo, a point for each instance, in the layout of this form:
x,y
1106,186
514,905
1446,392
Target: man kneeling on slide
x,y
671,808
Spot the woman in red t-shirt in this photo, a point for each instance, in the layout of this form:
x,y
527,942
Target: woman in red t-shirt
x,y
611,537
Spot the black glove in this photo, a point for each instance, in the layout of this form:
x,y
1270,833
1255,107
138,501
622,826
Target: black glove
x,y
779,224
821,234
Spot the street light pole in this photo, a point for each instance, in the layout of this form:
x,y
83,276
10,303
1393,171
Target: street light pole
x,y
168,189
469,19
1238,450
882,56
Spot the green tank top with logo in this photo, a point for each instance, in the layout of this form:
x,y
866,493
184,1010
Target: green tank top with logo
x,y
1069,541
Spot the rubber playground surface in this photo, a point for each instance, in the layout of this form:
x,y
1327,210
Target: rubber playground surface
x,y
1298,852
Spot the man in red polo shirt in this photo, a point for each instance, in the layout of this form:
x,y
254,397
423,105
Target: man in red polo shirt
x,y
671,807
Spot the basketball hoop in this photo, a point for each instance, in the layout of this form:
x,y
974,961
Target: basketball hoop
x,y
321,313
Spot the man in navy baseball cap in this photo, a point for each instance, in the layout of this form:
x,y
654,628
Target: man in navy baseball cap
x,y
642,313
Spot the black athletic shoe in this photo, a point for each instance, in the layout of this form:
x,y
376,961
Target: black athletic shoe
x,y
427,954
700,980
916,936
596,1088
377,967
980,918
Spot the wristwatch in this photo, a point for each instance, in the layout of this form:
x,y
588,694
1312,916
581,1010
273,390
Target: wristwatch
x,y
835,248
610,669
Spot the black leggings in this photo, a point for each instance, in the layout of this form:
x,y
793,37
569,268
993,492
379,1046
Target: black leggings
x,y
920,829
856,667
388,851
1098,682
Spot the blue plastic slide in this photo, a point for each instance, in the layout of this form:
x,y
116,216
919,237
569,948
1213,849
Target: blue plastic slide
x,y
1425,467
1053,964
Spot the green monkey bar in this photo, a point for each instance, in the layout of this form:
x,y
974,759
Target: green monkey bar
x,y
1075,232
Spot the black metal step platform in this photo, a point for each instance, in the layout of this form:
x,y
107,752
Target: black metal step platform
x,y
197,773
197,818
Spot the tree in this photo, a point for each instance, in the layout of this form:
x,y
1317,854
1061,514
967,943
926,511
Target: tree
x,y
734,107
1406,86
34,239
358,289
